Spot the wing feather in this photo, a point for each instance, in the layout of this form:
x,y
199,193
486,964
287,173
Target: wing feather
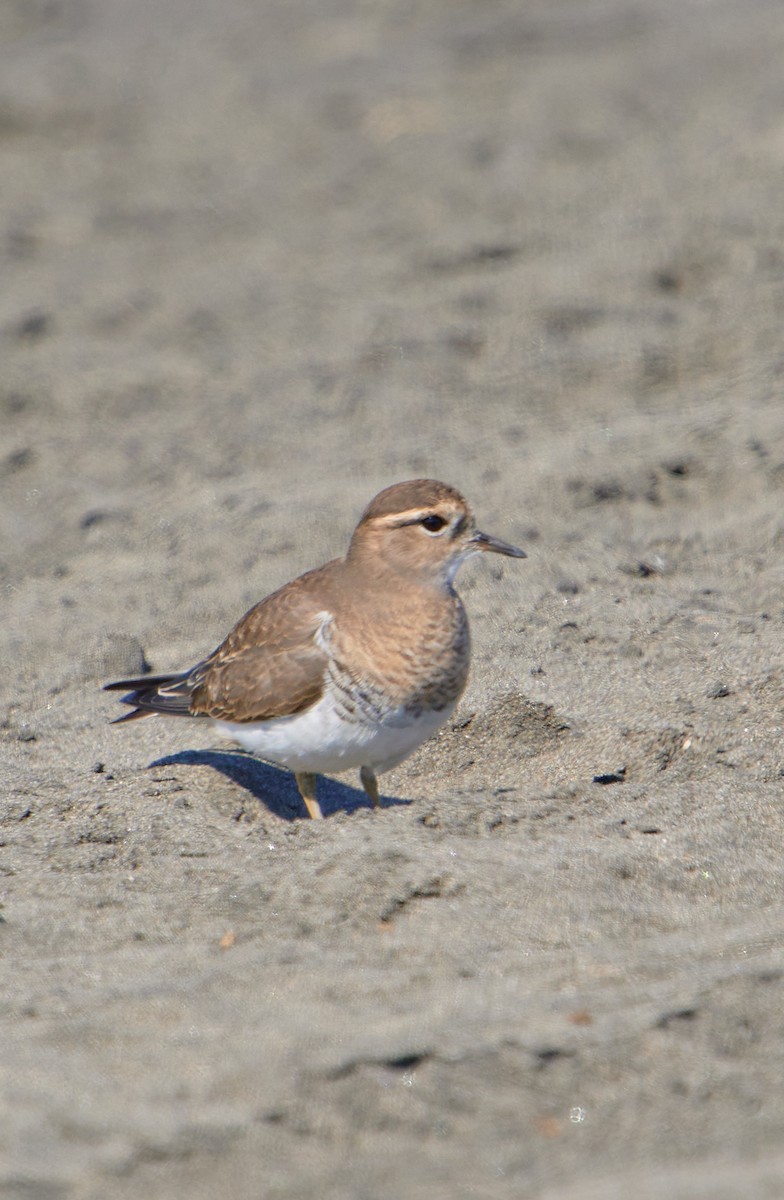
x,y
272,664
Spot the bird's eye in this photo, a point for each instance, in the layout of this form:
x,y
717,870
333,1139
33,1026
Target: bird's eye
x,y
433,523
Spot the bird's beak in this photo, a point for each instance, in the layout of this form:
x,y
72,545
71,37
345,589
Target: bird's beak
x,y
484,541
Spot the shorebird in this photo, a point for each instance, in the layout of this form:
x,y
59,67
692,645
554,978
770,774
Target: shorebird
x,y
353,664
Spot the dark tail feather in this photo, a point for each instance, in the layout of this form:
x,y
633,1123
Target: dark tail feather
x,y
132,716
169,695
145,683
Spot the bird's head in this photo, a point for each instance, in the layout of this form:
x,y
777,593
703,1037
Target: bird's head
x,y
423,529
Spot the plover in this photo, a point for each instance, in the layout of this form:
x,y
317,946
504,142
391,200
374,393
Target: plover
x,y
353,664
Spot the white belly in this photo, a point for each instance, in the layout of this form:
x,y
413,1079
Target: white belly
x,y
323,742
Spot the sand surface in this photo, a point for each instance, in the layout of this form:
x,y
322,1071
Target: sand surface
x,y
260,260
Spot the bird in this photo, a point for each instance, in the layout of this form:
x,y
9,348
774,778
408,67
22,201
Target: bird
x,y
353,664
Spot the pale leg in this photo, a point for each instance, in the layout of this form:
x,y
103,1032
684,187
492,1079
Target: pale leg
x,y
307,790
369,782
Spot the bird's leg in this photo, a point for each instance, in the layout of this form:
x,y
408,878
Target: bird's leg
x,y
307,790
369,782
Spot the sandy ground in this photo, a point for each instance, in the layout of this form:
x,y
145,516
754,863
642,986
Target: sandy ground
x,y
260,260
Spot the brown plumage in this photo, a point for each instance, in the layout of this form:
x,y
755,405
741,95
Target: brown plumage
x,y
376,642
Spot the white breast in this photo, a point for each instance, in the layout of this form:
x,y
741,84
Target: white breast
x,y
322,741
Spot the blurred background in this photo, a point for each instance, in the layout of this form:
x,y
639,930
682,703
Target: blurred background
x,y
260,259
268,258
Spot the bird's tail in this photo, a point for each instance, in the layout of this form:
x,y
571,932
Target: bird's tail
x,y
169,695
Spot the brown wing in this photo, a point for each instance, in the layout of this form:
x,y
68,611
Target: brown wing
x,y
271,664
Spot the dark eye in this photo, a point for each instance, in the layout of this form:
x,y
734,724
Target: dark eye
x,y
433,523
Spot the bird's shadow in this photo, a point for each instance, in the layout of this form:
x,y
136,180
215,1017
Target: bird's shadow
x,y
274,788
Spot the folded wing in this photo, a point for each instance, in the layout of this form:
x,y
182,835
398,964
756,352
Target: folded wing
x,y
271,665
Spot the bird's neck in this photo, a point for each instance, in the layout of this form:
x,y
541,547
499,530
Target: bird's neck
x,y
376,572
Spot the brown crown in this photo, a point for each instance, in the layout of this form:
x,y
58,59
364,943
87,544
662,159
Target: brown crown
x,y
413,493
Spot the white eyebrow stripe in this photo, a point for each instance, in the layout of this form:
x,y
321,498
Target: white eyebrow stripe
x,y
409,516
